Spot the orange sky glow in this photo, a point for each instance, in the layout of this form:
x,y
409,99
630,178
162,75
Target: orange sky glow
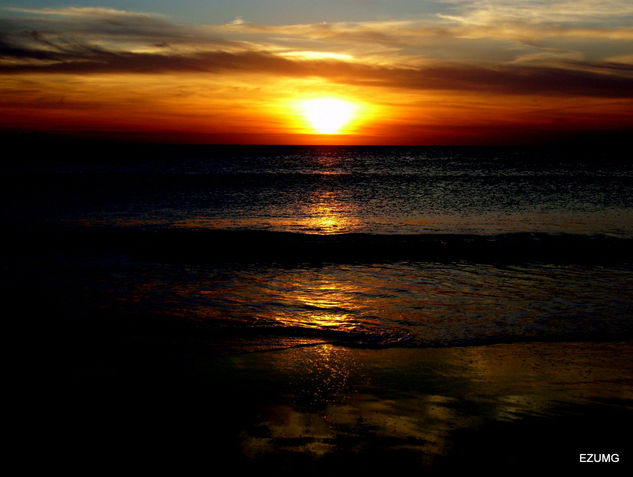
x,y
464,79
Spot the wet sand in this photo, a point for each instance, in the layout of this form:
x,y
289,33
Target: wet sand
x,y
332,410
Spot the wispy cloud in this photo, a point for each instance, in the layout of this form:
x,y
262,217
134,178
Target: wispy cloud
x,y
605,79
539,11
114,29
429,54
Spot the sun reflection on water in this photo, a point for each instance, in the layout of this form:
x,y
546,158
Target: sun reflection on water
x,y
322,212
325,305
329,213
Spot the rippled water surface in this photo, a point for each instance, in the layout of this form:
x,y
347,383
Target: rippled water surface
x,y
335,190
312,244
404,304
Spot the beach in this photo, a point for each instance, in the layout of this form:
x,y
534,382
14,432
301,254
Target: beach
x,y
280,310
334,409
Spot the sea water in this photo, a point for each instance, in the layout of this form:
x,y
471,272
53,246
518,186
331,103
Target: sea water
x,y
363,246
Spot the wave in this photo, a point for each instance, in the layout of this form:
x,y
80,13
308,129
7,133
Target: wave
x,y
211,245
221,336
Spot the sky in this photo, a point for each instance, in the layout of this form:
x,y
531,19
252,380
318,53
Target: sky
x,y
318,72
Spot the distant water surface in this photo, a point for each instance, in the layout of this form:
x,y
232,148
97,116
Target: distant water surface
x,y
322,190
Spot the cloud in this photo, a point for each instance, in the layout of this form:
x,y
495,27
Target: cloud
x,y
103,26
476,12
611,80
502,29
502,19
80,18
97,40
621,59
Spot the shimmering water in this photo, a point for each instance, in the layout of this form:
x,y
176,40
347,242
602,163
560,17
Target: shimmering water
x,y
485,261
322,190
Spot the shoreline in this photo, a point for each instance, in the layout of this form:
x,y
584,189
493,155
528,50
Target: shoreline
x,y
329,408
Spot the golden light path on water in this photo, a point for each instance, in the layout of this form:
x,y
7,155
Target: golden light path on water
x,y
326,304
323,212
328,213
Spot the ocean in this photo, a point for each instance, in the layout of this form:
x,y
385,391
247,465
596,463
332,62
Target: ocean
x,y
273,247
320,310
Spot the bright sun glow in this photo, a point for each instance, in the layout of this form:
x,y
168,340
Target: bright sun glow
x,y
328,116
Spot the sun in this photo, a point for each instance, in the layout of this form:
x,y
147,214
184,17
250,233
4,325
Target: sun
x,y
327,115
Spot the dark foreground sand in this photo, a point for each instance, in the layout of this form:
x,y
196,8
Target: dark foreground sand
x,y
331,410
